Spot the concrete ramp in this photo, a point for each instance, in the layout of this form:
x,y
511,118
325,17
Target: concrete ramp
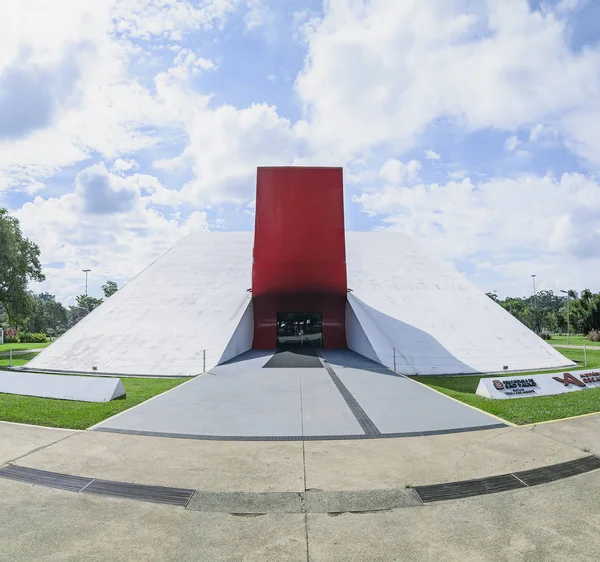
x,y
406,304
81,389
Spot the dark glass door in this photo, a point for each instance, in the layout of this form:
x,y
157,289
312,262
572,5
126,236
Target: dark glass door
x,y
300,328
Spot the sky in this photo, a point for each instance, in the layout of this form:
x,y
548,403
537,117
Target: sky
x,y
471,125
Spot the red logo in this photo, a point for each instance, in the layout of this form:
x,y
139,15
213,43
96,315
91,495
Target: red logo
x,y
568,379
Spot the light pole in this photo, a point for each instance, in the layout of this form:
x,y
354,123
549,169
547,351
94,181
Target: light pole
x,y
86,271
534,303
568,317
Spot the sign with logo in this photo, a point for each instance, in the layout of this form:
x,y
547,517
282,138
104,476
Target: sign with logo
x,y
537,385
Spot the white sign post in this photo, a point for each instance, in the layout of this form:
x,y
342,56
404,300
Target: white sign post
x,y
537,385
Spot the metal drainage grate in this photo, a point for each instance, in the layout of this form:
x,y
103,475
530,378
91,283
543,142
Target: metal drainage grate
x,y
155,494
468,488
44,478
558,471
523,479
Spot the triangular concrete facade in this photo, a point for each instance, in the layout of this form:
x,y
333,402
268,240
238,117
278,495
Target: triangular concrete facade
x,y
191,310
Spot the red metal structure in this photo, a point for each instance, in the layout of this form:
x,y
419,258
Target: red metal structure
x,y
299,251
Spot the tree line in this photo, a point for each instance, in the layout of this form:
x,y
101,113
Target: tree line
x,y
548,312
20,308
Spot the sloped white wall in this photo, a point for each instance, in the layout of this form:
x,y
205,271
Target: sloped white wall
x,y
195,297
241,340
189,300
435,320
357,323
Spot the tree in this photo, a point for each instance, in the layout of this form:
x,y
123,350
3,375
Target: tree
x,y
110,288
87,302
85,305
585,312
19,264
48,315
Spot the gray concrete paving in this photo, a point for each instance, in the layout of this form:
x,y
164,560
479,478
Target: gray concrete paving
x,y
551,522
41,524
295,357
244,399
264,402
398,404
17,440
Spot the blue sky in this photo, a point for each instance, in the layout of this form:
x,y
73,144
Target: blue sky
x,y
470,125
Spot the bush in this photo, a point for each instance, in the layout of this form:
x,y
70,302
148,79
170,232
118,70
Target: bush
x,y
594,335
11,339
34,338
545,335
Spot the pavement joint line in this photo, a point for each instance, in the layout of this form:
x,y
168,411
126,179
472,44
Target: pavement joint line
x,y
361,416
36,450
197,437
578,449
343,501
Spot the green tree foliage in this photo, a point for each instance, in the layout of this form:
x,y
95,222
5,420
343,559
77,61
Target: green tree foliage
x,y
87,302
85,305
109,288
19,264
585,312
550,312
48,316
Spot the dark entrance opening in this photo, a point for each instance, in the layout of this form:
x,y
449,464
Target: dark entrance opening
x,y
303,329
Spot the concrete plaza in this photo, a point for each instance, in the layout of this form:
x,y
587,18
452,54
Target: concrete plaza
x,y
548,522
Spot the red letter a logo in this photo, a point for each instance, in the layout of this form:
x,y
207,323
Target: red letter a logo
x,y
568,379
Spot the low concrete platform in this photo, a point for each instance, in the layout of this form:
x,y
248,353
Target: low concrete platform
x,y
242,399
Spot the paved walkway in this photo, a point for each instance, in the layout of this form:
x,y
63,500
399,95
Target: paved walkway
x,y
20,352
345,396
550,522
553,522
296,466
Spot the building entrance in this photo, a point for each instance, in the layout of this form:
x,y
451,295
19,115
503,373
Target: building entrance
x,y
300,328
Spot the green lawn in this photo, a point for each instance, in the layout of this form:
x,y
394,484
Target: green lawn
x,y
19,346
524,410
575,340
79,415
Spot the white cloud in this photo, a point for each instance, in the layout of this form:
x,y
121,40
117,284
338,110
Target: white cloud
x,y
395,172
225,147
73,65
431,155
121,165
515,224
100,195
381,72
169,18
512,143
106,224
257,14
